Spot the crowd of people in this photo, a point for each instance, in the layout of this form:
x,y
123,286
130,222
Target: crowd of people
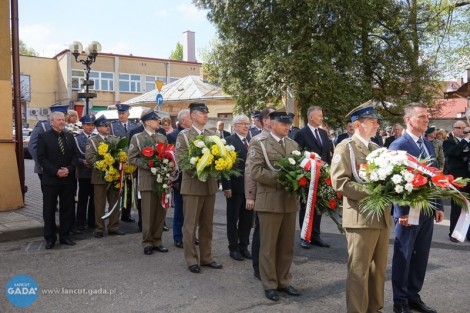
x,y
66,151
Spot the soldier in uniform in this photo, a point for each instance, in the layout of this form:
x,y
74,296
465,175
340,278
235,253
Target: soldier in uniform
x,y
85,205
276,208
198,197
367,239
102,191
153,213
122,128
256,126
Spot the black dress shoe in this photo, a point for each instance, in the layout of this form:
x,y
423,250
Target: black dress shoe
x,y
246,254
178,244
165,228
81,228
304,244
453,239
68,242
272,294
291,291
116,233
196,242
98,234
236,255
160,248
318,242
127,219
194,268
50,245
213,264
148,250
401,308
420,306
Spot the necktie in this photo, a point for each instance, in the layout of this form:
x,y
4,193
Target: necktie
x,y
317,136
125,127
422,151
245,143
60,141
281,142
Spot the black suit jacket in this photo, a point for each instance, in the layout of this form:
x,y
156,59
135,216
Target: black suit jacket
x,y
307,141
171,137
341,137
236,184
389,141
51,159
457,155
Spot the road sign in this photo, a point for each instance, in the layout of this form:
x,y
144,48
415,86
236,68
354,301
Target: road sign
x,y
159,99
159,84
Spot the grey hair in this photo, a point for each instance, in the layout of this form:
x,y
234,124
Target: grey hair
x,y
240,119
410,108
313,108
182,114
54,114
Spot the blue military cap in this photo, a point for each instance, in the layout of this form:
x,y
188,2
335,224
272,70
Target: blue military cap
x,y
255,114
122,107
365,110
87,119
292,115
148,115
281,116
198,106
59,107
101,121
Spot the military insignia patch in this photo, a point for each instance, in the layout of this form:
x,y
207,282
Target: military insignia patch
x,y
336,159
131,146
178,144
252,153
87,147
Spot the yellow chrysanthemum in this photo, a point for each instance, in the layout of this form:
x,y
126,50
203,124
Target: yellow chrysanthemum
x,y
108,178
108,159
229,163
129,168
220,164
215,150
233,155
103,148
122,155
117,185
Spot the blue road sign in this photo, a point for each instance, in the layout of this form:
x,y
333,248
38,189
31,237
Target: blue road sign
x,y
159,98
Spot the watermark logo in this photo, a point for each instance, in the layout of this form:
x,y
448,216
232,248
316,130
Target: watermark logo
x,y
22,291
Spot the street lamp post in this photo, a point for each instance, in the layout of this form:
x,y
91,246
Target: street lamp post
x,y
93,49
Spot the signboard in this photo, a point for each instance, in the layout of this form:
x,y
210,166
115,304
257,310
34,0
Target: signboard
x,y
159,84
159,99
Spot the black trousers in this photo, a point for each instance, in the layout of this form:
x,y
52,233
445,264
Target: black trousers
x,y
66,193
126,207
86,204
239,221
316,220
255,244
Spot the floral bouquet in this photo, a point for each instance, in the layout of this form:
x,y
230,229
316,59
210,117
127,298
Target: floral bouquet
x,y
161,161
210,156
306,176
397,177
112,162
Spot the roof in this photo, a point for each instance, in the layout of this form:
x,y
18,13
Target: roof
x,y
187,88
452,108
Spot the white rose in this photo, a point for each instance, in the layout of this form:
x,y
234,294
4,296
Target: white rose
x,y
398,188
291,161
165,186
204,150
396,179
165,161
193,160
159,179
199,143
409,187
295,152
153,170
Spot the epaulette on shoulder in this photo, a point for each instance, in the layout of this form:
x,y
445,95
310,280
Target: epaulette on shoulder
x,y
261,137
185,130
290,139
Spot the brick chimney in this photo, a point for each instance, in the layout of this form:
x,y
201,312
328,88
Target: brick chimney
x,y
189,46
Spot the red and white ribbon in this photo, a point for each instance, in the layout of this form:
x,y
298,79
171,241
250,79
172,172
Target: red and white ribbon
x,y
312,162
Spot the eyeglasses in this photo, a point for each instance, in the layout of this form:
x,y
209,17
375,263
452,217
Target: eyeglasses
x,y
459,127
243,124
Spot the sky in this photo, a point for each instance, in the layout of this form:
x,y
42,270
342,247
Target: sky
x,y
148,28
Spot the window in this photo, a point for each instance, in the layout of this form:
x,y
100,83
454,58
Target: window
x,y
150,82
77,79
173,79
129,82
102,80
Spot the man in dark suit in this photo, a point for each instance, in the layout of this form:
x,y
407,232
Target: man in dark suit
x,y
221,131
412,242
56,156
85,205
348,134
314,139
184,121
457,153
397,132
239,219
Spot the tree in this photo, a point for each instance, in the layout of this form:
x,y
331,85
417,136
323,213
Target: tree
x,y
177,54
25,50
332,53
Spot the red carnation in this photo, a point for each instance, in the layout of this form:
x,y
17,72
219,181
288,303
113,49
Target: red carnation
x,y
302,181
147,152
339,196
150,163
332,204
328,181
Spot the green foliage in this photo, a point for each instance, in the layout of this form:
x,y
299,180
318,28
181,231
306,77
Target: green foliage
x,y
177,54
25,50
332,53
